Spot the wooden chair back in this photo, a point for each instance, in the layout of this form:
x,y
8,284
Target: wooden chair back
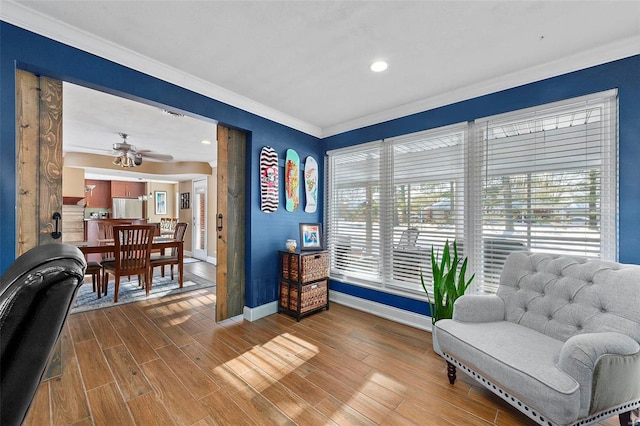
x,y
133,248
178,234
168,224
105,232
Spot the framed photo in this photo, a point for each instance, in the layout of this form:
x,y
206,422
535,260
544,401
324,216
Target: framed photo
x,y
161,202
184,200
310,236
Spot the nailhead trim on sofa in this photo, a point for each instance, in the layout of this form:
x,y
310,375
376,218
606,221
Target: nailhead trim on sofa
x,y
528,411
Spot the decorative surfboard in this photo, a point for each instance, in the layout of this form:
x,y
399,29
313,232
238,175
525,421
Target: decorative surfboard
x,y
269,197
292,180
311,185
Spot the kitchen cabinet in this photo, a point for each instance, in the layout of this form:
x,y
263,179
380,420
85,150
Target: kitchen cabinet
x,y
123,189
100,196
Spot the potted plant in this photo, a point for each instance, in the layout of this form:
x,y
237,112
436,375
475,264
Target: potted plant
x,y
449,283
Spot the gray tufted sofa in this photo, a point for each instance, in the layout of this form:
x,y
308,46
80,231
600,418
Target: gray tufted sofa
x,y
560,340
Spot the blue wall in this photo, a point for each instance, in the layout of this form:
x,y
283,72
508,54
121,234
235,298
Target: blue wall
x,y
266,233
623,75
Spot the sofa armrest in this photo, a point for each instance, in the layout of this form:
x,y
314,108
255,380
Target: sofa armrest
x,y
478,308
607,367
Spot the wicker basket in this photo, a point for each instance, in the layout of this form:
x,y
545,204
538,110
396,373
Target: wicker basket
x,y
312,296
304,267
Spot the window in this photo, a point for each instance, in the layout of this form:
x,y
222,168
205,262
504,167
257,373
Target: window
x,y
548,182
390,202
537,180
426,171
353,214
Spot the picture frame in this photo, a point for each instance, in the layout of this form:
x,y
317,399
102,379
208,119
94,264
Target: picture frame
x,y
311,236
184,200
160,198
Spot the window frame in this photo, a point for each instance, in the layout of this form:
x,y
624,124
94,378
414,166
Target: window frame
x,y
471,193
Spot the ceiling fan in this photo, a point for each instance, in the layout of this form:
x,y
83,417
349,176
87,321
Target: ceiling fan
x,y
126,155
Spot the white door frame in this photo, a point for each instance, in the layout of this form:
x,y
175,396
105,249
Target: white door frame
x,y
199,188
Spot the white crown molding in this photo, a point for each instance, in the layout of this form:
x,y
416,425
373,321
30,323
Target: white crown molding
x,y
21,16
38,23
600,55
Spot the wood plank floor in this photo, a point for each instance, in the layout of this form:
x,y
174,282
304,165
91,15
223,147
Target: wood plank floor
x,y
167,362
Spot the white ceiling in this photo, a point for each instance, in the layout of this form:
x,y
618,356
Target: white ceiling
x,y
92,122
305,63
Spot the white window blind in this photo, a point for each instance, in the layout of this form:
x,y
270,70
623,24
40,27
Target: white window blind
x,y
353,213
389,202
548,183
427,207
542,180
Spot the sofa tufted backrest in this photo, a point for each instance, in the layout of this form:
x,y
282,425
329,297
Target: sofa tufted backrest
x,y
562,296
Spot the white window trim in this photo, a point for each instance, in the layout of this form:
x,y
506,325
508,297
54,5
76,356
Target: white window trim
x,y
473,187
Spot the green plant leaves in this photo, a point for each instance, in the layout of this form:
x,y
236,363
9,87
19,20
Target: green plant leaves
x,y
449,281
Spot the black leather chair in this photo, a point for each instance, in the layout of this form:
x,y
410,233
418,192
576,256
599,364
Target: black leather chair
x,y
36,294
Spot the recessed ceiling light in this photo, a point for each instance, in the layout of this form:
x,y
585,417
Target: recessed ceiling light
x,y
205,142
378,66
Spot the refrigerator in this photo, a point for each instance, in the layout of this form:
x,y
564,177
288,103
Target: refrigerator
x,y
126,208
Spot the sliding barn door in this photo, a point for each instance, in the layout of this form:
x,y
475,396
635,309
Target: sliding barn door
x,y
39,160
230,223
39,170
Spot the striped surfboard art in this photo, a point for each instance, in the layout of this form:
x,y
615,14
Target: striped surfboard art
x,y
269,182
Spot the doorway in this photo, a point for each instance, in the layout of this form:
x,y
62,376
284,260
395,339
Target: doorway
x,y
199,233
230,285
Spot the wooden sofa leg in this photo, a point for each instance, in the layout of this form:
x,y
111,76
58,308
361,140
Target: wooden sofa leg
x,y
451,372
625,418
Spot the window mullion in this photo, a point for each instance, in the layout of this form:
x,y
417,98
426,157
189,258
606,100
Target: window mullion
x,y
387,206
473,202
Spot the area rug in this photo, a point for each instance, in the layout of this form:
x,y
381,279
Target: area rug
x,y
130,291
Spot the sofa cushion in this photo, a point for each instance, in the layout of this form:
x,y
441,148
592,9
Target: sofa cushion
x,y
565,296
517,359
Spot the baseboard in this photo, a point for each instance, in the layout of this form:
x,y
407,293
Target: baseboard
x,y
232,319
253,314
212,260
422,322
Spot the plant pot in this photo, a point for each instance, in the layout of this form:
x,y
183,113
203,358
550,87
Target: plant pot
x,y
436,346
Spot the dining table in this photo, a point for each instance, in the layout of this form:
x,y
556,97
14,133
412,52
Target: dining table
x,y
160,243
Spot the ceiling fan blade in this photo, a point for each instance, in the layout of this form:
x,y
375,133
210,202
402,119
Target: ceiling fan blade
x,y
161,157
78,148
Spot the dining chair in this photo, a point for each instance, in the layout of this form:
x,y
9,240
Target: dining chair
x,y
95,270
158,232
168,225
132,247
172,258
105,233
